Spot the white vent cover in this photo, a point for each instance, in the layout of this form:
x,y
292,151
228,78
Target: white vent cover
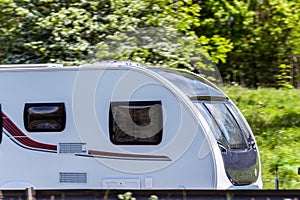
x,y
72,177
71,148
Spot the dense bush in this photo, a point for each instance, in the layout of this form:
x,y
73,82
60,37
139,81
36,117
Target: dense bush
x,y
274,116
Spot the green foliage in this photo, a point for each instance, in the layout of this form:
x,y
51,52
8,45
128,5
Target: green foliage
x,y
126,196
151,32
40,31
264,34
160,32
284,77
274,116
165,47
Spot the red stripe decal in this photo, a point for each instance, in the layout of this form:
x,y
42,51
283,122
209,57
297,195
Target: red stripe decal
x,y
21,137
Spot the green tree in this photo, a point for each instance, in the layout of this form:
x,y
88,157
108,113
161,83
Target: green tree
x,y
230,20
273,26
162,32
37,31
153,32
263,34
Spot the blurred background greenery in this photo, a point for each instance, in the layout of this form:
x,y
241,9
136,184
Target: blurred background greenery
x,y
274,116
254,43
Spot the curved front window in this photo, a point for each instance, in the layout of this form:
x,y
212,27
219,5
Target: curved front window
x,y
235,139
227,125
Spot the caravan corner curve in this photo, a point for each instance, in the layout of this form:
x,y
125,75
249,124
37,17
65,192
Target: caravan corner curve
x,y
120,125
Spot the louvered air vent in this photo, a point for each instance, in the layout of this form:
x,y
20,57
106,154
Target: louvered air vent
x,y
71,148
72,177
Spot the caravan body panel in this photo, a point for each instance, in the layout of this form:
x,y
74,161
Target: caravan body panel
x,y
107,125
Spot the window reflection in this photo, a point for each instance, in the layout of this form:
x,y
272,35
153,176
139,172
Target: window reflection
x,y
44,117
227,124
136,122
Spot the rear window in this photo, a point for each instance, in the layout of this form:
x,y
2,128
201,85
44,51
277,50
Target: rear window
x,y
44,117
136,122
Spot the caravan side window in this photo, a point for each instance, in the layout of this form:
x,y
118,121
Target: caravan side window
x,y
44,117
136,122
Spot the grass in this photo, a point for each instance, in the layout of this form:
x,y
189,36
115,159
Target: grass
x,y
274,116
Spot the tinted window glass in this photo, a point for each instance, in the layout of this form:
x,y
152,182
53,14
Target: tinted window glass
x,y
243,124
212,123
44,117
228,125
136,122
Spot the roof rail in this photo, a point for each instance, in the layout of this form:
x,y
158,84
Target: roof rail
x,y
114,63
31,65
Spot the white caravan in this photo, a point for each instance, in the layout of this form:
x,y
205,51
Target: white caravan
x,y
119,125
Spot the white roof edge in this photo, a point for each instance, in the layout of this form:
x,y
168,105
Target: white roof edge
x,y
31,65
113,63
99,64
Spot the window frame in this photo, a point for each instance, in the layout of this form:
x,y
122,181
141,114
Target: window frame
x,y
61,121
134,142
